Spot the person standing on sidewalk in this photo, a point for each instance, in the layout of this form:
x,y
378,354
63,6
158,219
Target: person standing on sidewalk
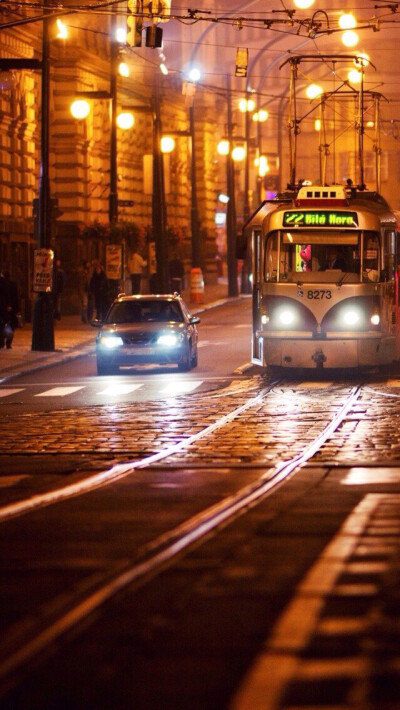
x,y
136,264
59,283
83,290
99,288
10,317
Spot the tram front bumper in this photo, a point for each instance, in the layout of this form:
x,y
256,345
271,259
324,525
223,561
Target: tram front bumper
x,y
336,350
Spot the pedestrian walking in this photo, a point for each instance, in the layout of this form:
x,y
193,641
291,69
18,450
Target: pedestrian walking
x,y
98,286
136,264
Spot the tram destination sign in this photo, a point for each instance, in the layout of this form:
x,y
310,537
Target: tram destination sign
x,y
320,218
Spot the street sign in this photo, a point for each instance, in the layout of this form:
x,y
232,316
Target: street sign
x,y
113,261
43,270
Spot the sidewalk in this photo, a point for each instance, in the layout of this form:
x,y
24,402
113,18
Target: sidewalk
x,y
73,338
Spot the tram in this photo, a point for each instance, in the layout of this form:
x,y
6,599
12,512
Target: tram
x,y
325,287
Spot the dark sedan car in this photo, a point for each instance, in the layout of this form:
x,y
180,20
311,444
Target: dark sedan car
x,y
146,329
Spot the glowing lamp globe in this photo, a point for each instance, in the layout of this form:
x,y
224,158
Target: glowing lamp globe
x,y
125,120
80,108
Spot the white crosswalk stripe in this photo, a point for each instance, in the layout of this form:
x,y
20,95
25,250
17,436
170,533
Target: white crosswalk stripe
x,y
118,389
59,391
9,392
176,388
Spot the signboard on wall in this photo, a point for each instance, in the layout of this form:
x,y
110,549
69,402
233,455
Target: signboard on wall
x,y
43,260
114,261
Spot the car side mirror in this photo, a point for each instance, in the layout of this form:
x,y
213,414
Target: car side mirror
x,y
194,319
96,323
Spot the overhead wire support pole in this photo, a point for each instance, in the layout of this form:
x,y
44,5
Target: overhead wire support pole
x,y
113,196
42,321
231,207
361,131
194,215
159,217
292,123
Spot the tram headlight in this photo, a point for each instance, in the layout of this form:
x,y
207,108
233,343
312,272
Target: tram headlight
x,y
286,316
375,319
351,317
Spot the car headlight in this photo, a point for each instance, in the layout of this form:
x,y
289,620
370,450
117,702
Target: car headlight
x,y
351,317
111,341
286,316
375,319
168,339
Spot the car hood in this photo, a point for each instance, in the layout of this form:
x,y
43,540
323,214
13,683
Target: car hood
x,y
145,329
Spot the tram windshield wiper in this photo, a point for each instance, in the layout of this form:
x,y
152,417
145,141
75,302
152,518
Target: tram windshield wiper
x,y
342,278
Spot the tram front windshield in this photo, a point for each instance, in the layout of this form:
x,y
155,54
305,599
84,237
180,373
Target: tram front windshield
x,y
323,256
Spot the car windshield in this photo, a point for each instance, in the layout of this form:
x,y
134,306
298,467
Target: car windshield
x,y
145,312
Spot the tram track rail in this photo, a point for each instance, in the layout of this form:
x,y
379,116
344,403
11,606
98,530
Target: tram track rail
x,y
118,471
160,553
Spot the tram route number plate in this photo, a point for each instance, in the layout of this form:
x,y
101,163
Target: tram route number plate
x,y
320,218
319,294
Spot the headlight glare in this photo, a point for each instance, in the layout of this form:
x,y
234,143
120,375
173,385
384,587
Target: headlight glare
x,y
351,317
286,316
168,339
111,341
375,319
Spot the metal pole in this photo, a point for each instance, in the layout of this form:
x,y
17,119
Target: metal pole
x,y
231,208
42,319
194,216
361,131
158,203
113,196
246,202
114,286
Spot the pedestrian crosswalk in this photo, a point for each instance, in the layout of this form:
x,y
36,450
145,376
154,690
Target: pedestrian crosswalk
x,y
107,389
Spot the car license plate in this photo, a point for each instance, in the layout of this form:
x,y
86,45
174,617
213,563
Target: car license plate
x,y
145,350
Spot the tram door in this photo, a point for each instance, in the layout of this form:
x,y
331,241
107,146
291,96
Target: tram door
x,y
256,267
397,294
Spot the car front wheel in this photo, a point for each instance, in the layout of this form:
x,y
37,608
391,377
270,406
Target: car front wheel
x,y
185,364
104,368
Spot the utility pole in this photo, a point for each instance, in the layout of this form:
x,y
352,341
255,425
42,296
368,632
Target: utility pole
x,y
113,196
159,219
42,322
231,207
194,214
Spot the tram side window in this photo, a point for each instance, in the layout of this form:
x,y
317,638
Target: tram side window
x,y
389,267
371,257
271,258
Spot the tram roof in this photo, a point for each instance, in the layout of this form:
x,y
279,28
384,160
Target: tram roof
x,y
257,218
365,199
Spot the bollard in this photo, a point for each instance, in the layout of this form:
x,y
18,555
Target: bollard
x,y
196,285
